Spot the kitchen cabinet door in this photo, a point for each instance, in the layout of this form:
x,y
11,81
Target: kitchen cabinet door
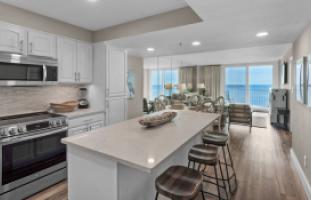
x,y
67,58
41,44
85,62
12,39
116,110
78,130
97,125
116,72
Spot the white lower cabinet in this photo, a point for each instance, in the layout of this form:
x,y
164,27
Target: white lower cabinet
x,y
85,124
78,130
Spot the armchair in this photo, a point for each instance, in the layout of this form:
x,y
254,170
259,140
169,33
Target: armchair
x,y
240,114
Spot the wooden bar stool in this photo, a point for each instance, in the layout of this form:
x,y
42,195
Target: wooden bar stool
x,y
207,155
221,140
179,183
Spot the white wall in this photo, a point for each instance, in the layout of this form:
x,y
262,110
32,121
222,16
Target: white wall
x,y
135,105
300,113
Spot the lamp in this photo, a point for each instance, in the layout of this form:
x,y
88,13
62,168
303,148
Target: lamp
x,y
201,87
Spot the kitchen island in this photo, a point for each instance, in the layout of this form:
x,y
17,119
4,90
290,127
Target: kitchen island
x,y
121,161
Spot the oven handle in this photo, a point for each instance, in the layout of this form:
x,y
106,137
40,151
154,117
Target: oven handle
x,y
25,138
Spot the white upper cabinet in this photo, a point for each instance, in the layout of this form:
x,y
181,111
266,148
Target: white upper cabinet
x,y
67,60
41,44
85,62
116,72
12,39
75,60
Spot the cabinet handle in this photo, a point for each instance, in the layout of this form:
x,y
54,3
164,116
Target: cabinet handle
x,y
75,76
30,47
21,45
79,75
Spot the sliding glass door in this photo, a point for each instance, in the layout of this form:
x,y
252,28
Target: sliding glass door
x,y
248,84
236,84
260,82
163,82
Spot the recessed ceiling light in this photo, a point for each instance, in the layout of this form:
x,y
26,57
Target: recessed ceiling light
x,y
196,43
150,49
92,1
262,34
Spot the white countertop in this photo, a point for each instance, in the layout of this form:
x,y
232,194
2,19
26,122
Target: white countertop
x,y
81,112
143,148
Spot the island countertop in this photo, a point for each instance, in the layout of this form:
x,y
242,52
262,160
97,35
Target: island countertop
x,y
144,148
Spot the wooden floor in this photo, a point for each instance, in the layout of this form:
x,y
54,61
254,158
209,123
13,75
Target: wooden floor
x,y
262,165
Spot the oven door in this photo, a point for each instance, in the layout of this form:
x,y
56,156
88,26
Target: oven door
x,y
24,159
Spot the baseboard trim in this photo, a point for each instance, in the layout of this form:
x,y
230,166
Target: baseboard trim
x,y
301,174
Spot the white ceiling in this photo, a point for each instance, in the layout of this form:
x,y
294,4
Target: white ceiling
x,y
226,25
260,54
100,14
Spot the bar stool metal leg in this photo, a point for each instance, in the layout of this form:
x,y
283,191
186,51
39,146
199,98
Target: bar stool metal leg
x,y
232,166
217,181
157,195
223,180
226,166
203,197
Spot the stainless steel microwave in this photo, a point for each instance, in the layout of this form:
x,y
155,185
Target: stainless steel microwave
x,y
27,72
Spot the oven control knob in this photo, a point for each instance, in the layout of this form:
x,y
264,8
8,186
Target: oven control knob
x,y
22,129
54,123
13,131
3,133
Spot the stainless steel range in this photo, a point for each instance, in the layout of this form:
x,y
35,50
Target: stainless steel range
x,y
32,156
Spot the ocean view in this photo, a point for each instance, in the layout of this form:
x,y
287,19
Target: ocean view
x,y
259,94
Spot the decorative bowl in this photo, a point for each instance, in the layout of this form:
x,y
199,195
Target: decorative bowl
x,y
157,120
68,106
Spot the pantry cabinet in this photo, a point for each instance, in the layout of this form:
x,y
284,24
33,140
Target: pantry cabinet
x,y
110,82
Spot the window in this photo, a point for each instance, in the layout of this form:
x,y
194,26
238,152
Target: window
x,y
248,84
236,84
160,78
260,82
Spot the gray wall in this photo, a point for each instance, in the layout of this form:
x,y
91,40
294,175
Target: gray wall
x,y
179,17
300,114
28,19
135,105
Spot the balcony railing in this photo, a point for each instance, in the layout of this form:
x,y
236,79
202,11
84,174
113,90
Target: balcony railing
x,y
258,94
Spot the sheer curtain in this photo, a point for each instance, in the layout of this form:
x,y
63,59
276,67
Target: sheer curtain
x,y
211,78
187,75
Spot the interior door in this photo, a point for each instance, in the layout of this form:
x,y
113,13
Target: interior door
x,y
41,44
85,62
12,39
116,110
116,72
67,58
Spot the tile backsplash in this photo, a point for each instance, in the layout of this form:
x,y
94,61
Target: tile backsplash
x,y
18,100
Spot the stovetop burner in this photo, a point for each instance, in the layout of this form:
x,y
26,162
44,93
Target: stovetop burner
x,y
28,123
28,117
